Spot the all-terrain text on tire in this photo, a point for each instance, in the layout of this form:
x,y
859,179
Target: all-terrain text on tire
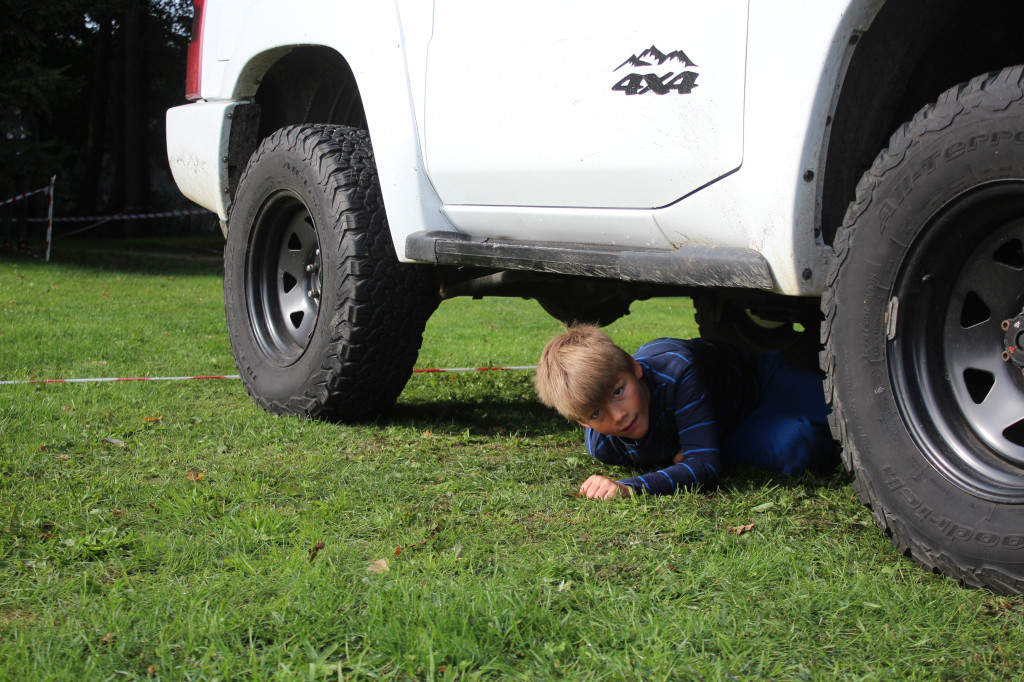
x,y
923,332
324,321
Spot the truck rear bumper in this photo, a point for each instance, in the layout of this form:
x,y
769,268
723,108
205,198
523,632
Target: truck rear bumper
x,y
198,137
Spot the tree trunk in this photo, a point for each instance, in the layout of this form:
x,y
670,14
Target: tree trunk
x,y
92,164
135,130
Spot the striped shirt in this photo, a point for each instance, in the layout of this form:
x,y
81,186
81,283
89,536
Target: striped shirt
x,y
700,391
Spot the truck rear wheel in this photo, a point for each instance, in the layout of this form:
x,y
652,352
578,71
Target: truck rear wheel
x,y
324,321
722,319
923,322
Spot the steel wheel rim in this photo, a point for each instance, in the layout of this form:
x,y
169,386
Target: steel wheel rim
x,y
962,402
283,278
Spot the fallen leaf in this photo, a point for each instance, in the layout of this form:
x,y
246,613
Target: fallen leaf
x,y
115,441
378,566
194,475
108,639
42,448
152,419
314,550
106,295
428,432
151,670
763,507
398,550
740,530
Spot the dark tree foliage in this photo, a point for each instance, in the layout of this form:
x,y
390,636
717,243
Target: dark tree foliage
x,y
99,76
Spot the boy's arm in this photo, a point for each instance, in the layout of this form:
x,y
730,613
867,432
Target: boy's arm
x,y
698,462
698,465
696,470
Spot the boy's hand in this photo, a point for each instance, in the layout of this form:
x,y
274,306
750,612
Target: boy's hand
x,y
603,488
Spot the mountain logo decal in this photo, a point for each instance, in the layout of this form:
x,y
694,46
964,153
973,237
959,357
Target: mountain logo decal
x,y
650,73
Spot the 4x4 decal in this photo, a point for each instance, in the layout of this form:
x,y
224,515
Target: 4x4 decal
x,y
661,84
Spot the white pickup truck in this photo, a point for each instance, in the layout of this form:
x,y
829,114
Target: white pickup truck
x,y
849,166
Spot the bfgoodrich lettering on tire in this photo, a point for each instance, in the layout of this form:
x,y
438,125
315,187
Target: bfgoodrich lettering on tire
x,y
924,370
323,319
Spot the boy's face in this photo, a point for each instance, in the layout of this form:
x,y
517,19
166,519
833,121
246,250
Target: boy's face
x,y
626,412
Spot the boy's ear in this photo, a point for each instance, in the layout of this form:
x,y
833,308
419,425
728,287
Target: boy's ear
x,y
637,369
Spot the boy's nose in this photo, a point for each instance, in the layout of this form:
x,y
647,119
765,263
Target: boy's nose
x,y
619,414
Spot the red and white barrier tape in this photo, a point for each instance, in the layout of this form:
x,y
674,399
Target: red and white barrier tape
x,y
111,379
19,197
235,376
124,216
97,220
475,369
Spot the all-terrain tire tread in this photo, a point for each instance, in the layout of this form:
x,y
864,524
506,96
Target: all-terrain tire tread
x,y
376,328
993,92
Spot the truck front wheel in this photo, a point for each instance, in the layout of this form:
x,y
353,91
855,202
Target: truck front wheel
x,y
923,332
324,321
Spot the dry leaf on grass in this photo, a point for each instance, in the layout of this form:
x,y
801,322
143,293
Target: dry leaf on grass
x,y
740,530
378,566
194,475
314,550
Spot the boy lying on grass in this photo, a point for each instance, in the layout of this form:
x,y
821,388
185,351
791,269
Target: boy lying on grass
x,y
683,409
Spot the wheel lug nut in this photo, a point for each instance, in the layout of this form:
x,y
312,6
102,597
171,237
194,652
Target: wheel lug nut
x,y
1005,325
1005,356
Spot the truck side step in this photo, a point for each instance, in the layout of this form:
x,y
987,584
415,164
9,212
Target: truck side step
x,y
705,266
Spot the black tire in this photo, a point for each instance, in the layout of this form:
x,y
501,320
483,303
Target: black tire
x,y
721,319
324,321
929,264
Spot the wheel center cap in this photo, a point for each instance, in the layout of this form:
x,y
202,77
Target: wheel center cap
x,y
1013,340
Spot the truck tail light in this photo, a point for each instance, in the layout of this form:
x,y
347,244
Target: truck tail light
x,y
193,71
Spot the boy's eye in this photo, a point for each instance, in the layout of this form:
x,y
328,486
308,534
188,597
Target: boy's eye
x,y
594,416
618,391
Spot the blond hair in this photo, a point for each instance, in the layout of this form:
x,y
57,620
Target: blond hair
x,y
577,370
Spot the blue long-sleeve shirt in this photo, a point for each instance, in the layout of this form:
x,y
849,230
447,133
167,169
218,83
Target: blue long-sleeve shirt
x,y
700,390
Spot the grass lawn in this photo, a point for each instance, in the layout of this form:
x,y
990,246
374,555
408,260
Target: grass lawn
x,y
172,530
